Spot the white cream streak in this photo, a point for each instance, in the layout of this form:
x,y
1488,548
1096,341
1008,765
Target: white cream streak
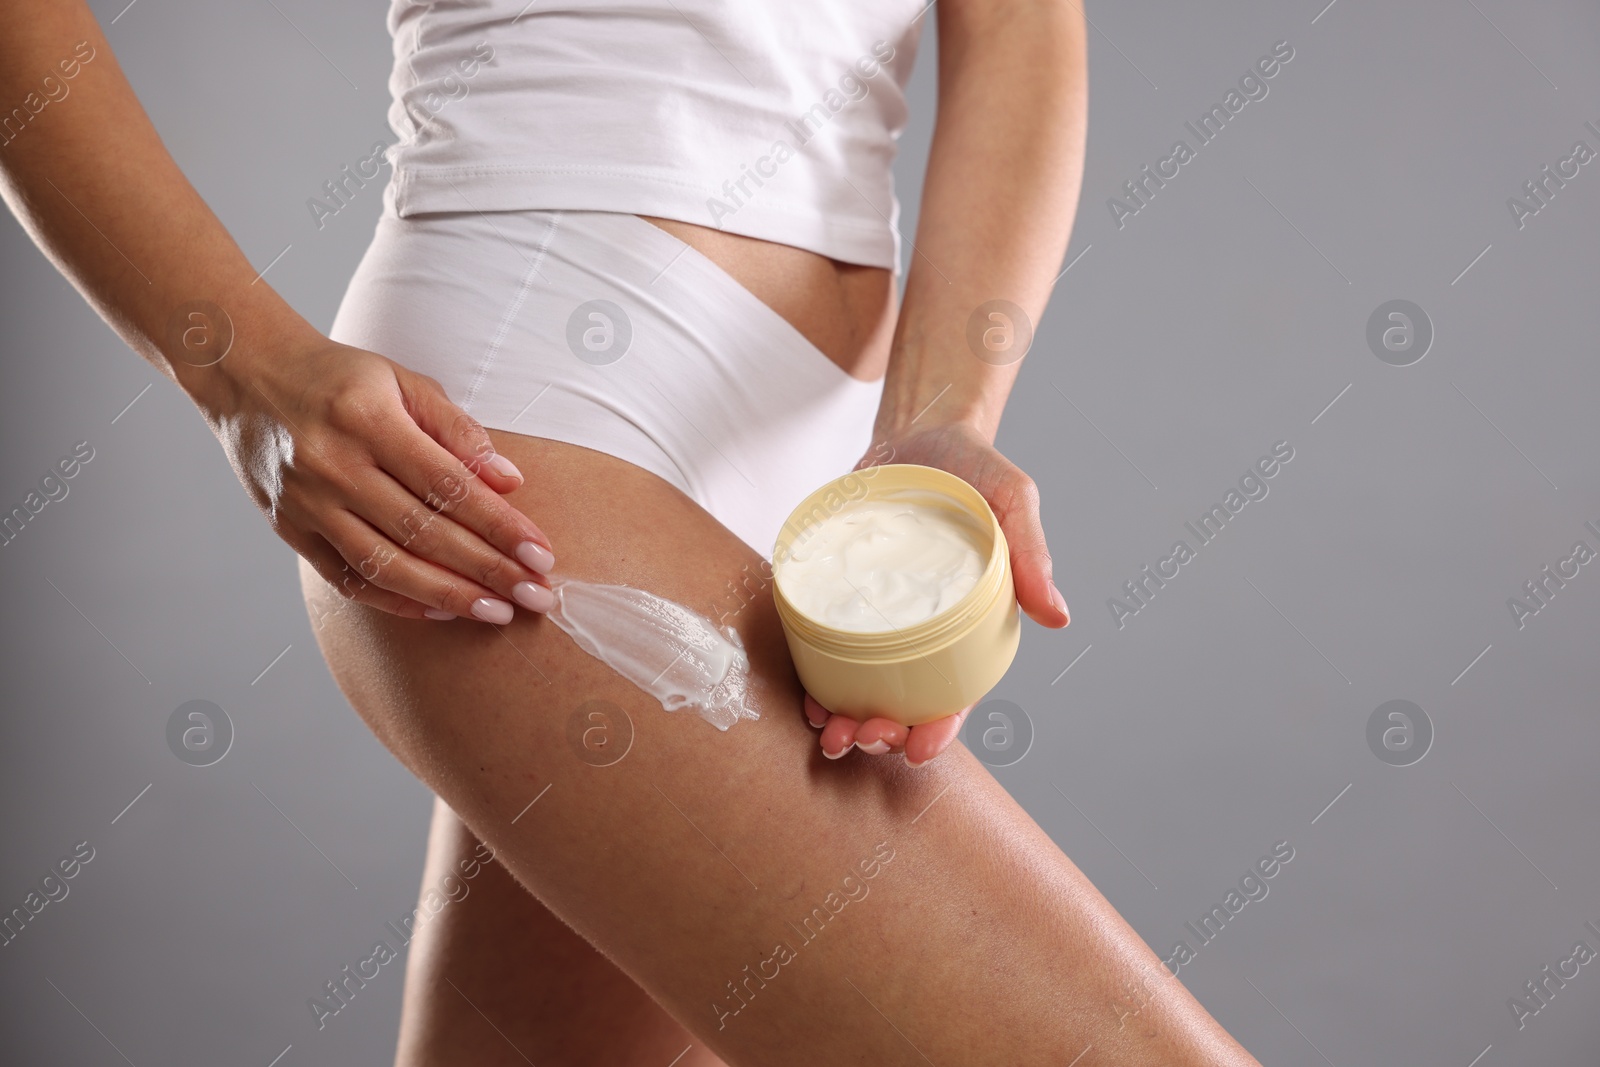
x,y
675,655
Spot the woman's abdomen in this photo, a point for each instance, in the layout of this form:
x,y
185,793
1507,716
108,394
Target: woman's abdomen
x,y
845,309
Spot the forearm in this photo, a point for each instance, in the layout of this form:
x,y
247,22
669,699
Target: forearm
x,y
997,207
89,178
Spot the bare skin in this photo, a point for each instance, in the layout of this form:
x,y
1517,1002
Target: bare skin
x,y
689,860
683,878
499,956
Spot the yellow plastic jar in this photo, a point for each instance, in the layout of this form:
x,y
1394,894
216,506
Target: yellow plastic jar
x,y
917,673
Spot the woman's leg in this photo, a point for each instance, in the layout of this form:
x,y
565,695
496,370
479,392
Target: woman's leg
x,y
496,979
411,282
785,909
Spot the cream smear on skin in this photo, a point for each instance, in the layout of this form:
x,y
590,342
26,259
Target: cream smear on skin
x,y
677,656
881,565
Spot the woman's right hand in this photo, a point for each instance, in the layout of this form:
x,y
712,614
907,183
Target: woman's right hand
x,y
390,491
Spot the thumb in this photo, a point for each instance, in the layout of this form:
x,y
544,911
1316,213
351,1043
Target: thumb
x,y
1030,554
457,432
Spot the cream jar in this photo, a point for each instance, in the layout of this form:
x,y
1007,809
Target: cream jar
x,y
893,585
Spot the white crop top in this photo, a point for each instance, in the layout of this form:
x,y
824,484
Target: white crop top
x,y
774,119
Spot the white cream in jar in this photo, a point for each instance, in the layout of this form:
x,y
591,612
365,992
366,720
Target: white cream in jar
x,y
880,565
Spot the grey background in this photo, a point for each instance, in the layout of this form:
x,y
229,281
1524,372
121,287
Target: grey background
x,y
1223,718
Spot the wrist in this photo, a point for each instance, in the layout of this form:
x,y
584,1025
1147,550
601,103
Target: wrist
x,y
932,405
217,358
933,383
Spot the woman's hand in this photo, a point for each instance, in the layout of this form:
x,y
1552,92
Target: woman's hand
x,y
364,468
966,453
389,490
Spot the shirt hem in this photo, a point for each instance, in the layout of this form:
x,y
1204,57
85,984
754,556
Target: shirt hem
x,y
862,240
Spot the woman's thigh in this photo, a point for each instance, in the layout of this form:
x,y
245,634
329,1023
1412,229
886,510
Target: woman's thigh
x,y
494,978
785,909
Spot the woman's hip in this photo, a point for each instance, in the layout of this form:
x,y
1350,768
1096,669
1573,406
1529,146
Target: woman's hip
x,y
602,330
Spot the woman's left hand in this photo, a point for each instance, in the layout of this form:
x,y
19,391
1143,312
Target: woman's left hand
x,y
968,455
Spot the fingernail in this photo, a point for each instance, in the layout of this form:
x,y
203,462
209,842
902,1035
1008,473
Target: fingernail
x,y
917,763
490,610
837,755
503,466
536,557
533,596
439,613
815,724
874,748
1058,600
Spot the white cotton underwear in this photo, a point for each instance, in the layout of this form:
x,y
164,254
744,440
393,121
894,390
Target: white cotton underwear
x,y
601,330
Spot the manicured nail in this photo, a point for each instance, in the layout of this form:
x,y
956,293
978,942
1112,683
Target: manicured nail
x,y
817,724
490,610
536,557
502,466
917,763
839,754
1058,600
874,748
533,596
439,613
